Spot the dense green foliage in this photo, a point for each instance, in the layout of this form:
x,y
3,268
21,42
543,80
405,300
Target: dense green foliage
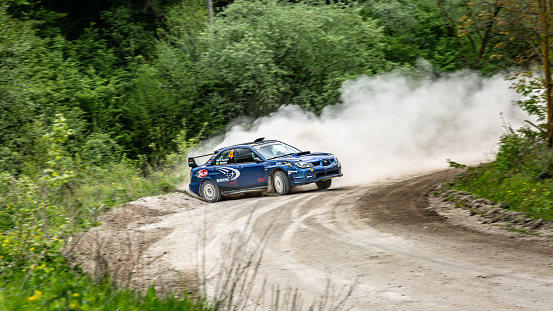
x,y
262,57
132,76
100,99
58,195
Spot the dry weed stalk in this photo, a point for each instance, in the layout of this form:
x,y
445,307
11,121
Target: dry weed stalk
x,y
238,272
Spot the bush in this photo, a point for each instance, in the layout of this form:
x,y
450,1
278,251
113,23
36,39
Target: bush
x,y
521,176
56,195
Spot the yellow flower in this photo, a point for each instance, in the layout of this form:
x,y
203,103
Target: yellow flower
x,y
36,295
32,249
74,306
76,295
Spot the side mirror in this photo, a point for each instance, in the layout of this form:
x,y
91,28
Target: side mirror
x,y
257,160
192,163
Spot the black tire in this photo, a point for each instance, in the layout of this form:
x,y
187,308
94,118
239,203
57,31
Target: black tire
x,y
210,192
324,184
281,183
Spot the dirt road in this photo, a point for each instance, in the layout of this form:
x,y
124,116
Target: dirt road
x,y
382,246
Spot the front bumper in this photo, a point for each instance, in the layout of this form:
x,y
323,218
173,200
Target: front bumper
x,y
300,176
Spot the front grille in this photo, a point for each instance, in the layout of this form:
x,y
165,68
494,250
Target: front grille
x,y
323,174
326,162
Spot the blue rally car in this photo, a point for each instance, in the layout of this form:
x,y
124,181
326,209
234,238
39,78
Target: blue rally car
x,y
260,165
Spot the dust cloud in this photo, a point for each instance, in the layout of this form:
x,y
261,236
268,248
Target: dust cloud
x,y
394,125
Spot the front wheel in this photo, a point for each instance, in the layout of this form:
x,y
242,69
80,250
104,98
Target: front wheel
x,y
281,183
324,184
210,192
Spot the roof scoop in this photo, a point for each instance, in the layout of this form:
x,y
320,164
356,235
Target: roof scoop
x,y
259,139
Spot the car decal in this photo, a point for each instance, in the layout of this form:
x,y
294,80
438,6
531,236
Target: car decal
x,y
201,173
230,174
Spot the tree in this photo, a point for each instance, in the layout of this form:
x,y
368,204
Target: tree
x,y
17,110
259,55
482,32
545,12
415,29
530,22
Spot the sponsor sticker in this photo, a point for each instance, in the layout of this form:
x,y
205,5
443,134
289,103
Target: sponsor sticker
x,y
229,173
261,179
201,173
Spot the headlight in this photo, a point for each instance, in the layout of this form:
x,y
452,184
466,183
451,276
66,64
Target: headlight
x,y
303,164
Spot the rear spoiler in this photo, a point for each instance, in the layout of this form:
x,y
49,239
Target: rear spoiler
x,y
192,160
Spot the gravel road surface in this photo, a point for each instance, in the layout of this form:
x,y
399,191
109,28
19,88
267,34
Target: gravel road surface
x,y
382,246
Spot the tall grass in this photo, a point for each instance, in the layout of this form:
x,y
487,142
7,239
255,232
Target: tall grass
x,y
521,176
52,198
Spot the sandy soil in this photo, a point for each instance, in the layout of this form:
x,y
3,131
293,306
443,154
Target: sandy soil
x,y
383,246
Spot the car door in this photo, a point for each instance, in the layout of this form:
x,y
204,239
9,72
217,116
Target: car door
x,y
224,172
252,174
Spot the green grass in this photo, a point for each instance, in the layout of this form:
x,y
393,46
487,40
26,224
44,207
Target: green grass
x,y
519,191
521,176
41,208
35,221
55,287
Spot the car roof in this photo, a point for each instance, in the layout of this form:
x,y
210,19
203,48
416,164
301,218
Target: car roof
x,y
259,141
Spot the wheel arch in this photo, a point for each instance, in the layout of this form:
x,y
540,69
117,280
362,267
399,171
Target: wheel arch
x,y
272,176
203,181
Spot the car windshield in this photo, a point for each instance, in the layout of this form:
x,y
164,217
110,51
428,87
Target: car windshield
x,y
271,150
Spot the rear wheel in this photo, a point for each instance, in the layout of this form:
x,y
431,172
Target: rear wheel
x,y
324,184
210,192
281,183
